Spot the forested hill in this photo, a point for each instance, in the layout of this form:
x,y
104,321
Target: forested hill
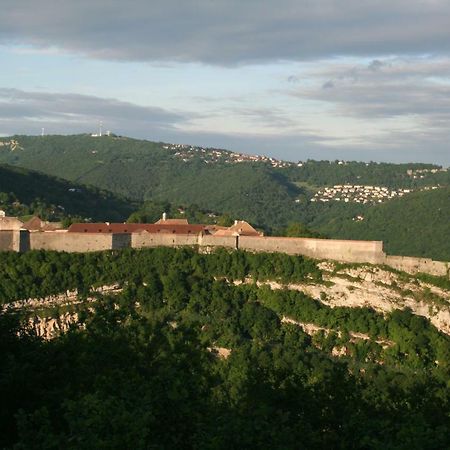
x,y
419,222
25,192
266,192
144,170
227,350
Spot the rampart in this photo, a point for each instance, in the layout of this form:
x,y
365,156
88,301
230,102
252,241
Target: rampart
x,y
338,250
10,240
145,239
416,265
14,240
209,241
72,242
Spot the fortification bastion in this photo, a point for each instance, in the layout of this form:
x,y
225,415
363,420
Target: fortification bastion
x,y
89,237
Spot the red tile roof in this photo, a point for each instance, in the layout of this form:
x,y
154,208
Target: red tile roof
x,y
34,224
135,228
172,222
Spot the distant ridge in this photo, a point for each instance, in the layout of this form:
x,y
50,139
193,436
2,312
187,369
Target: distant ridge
x,y
265,192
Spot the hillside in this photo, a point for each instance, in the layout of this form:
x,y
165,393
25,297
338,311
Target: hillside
x,y
418,222
165,348
144,170
323,195
26,192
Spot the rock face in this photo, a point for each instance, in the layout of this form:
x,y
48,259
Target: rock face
x,y
376,288
348,286
312,329
49,326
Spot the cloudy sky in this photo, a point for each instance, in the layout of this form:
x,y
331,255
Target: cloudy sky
x,y
296,79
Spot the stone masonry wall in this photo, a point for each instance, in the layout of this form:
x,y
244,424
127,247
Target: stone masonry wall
x,y
71,242
415,265
9,241
338,250
144,239
209,241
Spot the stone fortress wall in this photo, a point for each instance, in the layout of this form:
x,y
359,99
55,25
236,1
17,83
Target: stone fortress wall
x,y
347,251
9,240
410,264
339,250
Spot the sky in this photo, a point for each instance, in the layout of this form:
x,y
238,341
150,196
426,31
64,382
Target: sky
x,y
365,80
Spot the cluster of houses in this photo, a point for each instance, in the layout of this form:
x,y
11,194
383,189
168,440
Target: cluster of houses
x,y
358,194
10,145
422,173
211,156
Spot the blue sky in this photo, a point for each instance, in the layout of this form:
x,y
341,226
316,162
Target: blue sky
x,y
322,79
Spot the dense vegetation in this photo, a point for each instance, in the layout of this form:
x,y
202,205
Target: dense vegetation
x,y
270,198
25,192
419,222
329,173
143,373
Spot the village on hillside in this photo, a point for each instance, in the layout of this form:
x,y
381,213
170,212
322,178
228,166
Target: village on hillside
x,y
361,194
212,155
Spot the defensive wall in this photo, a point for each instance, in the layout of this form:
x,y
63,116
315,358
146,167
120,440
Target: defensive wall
x,y
14,240
78,242
338,250
415,265
145,239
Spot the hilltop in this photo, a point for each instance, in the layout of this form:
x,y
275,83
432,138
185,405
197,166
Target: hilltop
x,y
264,191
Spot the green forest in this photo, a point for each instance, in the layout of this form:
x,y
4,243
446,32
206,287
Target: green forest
x,y
25,192
131,175
419,222
141,369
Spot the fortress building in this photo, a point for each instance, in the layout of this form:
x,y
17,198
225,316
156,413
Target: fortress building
x,y
87,237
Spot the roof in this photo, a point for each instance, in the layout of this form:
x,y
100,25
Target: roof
x,y
34,224
37,224
226,232
52,226
172,222
242,228
135,228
